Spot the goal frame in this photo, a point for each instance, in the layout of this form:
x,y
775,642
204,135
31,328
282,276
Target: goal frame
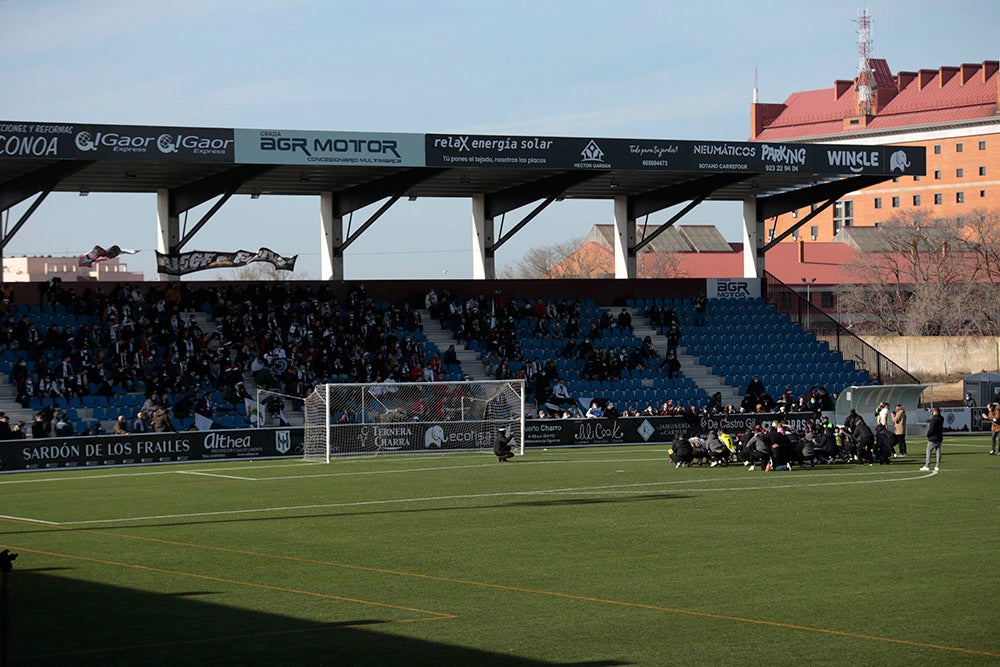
x,y
325,431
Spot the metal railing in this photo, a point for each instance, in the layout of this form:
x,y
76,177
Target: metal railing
x,y
790,303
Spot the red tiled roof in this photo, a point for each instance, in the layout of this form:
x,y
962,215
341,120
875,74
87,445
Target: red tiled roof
x,y
928,97
823,261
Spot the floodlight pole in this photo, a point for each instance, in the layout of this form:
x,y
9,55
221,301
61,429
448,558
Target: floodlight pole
x,y
6,565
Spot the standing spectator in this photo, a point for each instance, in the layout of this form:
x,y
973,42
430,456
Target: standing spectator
x,y
140,424
451,362
968,401
161,420
935,436
899,428
994,416
38,428
700,306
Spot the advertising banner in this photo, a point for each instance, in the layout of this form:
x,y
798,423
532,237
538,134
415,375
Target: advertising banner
x,y
329,148
733,288
91,451
651,430
114,142
459,150
110,450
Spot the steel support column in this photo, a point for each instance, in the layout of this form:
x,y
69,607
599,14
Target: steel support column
x,y
624,240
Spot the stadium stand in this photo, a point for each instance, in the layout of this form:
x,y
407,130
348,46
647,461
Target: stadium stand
x,y
97,355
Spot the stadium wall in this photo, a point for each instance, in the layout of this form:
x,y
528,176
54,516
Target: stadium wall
x,y
940,356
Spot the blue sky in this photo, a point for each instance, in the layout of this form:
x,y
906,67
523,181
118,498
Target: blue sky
x,y
636,69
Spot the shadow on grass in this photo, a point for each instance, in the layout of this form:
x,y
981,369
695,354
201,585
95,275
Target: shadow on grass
x,y
58,620
549,502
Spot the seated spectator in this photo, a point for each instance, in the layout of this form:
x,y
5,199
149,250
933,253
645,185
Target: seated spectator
x,y
561,395
121,428
595,411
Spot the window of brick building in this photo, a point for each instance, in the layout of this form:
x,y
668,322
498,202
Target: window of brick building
x,y
878,202
814,232
982,171
843,215
826,300
959,173
959,197
916,200
958,146
982,144
895,202
937,174
937,149
938,198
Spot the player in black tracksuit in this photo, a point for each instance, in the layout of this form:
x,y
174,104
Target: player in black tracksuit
x,y
501,445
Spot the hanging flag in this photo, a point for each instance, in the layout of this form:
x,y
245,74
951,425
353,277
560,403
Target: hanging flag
x,y
254,412
203,423
99,254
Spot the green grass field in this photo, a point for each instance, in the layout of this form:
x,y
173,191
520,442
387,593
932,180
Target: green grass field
x,y
605,556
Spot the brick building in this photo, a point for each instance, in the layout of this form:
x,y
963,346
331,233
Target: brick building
x,y
951,111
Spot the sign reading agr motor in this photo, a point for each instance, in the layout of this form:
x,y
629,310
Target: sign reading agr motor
x,y
732,288
377,149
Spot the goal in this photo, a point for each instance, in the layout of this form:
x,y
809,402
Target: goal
x,y
373,418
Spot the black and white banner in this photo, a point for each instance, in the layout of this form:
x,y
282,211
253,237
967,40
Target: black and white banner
x,y
200,260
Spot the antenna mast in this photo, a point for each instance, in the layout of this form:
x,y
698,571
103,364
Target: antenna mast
x,y
865,77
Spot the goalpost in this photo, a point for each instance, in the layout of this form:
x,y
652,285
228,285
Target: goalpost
x,y
372,418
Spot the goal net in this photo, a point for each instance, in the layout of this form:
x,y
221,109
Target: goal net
x,y
411,416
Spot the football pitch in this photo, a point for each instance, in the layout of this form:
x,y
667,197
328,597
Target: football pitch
x,y
591,556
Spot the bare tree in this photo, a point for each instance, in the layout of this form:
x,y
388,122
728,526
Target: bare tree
x,y
926,279
561,259
263,271
659,265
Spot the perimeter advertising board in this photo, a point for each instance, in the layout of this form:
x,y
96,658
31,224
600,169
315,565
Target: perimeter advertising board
x,y
186,446
114,142
329,148
95,451
461,150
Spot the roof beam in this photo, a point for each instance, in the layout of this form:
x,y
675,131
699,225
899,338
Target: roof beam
x,y
351,238
788,232
657,200
357,197
188,196
775,205
646,240
498,203
16,190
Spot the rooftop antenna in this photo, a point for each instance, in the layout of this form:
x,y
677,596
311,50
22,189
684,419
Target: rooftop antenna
x,y
865,77
755,90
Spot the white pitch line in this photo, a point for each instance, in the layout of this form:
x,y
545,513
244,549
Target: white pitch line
x,y
212,474
619,489
24,518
